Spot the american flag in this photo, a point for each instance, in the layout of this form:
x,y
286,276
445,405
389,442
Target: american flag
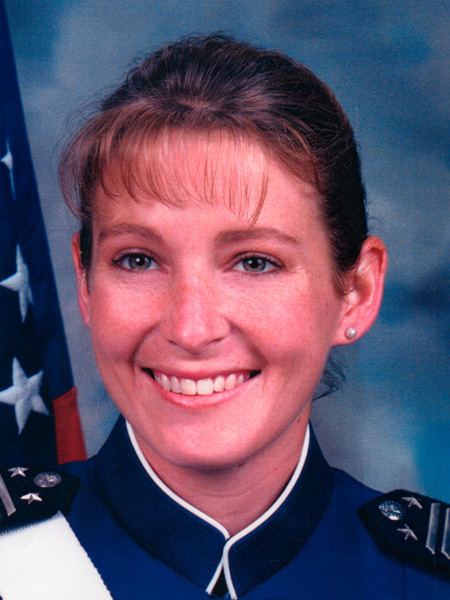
x,y
39,421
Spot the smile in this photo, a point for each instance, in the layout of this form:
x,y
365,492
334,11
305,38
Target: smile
x,y
200,387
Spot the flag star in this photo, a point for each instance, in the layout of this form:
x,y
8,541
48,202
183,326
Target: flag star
x,y
409,533
20,282
412,501
8,158
24,395
31,497
15,471
8,161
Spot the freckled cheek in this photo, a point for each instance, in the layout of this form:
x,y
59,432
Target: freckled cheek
x,y
119,321
280,319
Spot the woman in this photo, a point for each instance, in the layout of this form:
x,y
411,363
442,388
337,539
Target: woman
x,y
223,252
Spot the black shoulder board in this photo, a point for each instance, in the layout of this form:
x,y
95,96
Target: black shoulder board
x,y
411,527
30,494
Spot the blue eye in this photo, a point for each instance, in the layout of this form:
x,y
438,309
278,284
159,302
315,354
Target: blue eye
x,y
136,261
256,264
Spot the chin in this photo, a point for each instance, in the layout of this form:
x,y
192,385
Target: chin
x,y
202,452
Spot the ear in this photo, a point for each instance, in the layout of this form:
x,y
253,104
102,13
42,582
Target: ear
x,y
365,286
82,280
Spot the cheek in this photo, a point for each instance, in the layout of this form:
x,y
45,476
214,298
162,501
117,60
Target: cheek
x,y
119,320
290,321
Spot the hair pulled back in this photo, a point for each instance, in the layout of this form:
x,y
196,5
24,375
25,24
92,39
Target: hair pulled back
x,y
213,83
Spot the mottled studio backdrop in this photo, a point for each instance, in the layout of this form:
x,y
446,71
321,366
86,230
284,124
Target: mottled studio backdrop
x,y
388,63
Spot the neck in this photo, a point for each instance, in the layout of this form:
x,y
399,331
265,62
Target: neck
x,y
234,496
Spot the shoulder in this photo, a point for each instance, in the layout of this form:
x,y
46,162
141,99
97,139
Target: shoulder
x,y
411,528
40,552
33,493
30,495
348,496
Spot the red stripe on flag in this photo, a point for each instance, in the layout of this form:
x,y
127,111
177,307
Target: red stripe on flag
x,y
69,437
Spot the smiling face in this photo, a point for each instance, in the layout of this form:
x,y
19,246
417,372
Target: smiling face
x,y
211,327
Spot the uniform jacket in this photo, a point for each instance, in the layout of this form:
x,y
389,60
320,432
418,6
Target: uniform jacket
x,y
147,545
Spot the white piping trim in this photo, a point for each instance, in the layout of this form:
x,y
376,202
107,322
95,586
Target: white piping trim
x,y
433,522
168,491
215,577
445,547
269,512
198,513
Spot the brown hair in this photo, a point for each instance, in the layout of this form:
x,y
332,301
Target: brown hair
x,y
214,83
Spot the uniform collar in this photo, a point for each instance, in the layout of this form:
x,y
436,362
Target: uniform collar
x,y
192,543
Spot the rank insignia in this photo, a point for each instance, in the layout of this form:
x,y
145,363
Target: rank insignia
x,y
30,494
411,527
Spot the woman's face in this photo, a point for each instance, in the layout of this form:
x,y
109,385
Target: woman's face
x,y
184,300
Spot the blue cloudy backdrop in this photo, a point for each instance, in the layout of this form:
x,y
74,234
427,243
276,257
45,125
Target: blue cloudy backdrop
x,y
387,61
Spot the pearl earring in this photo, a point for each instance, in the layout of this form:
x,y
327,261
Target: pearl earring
x,y
351,333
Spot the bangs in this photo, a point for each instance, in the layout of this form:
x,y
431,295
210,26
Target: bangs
x,y
177,166
137,154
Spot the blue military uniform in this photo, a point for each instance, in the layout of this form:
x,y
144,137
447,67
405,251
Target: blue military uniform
x,y
148,544
145,545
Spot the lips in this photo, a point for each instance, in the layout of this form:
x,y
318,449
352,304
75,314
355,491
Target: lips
x,y
200,387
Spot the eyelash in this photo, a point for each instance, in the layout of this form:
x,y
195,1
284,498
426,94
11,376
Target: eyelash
x,y
149,261
130,255
261,257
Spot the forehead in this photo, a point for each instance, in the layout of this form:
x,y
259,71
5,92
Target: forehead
x,y
179,169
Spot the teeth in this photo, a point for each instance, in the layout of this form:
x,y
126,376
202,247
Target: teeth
x,y
188,387
230,382
175,385
165,382
201,387
219,384
205,387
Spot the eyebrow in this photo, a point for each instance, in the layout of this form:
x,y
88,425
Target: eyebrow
x,y
257,233
223,238
129,229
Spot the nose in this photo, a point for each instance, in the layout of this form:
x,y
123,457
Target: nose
x,y
194,319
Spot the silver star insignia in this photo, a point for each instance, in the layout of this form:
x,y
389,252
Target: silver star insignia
x,y
15,471
412,501
31,497
409,533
